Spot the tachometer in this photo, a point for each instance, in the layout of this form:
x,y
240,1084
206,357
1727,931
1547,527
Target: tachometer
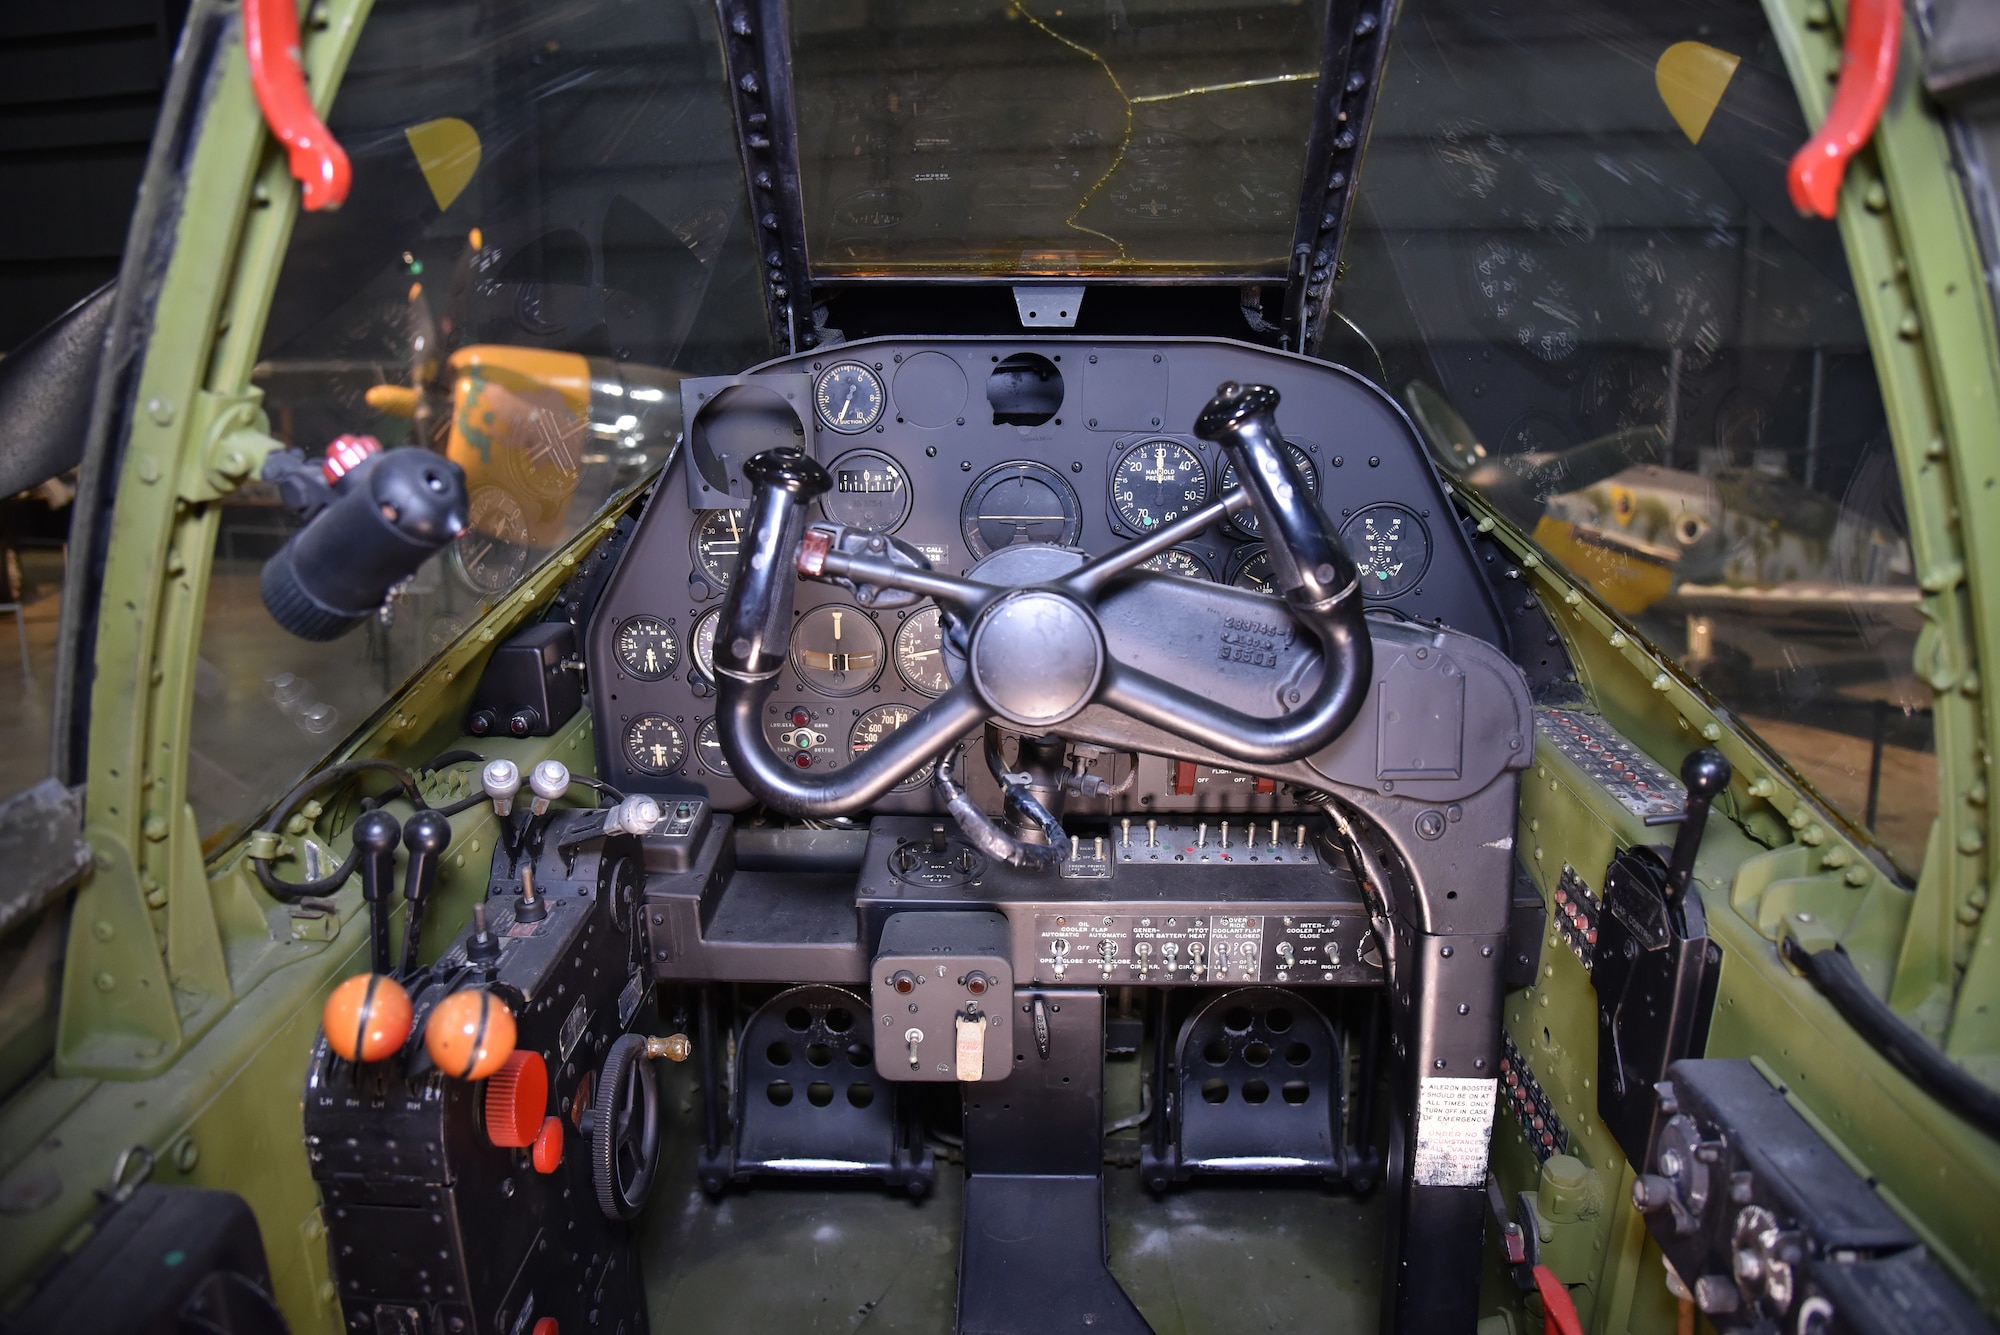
x,y
1391,548
920,652
849,397
647,648
877,724
1019,502
1245,521
718,538
655,744
837,650
1156,482
869,492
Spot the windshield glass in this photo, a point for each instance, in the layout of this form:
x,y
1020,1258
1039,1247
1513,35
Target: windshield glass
x,y
981,136
1578,267
547,230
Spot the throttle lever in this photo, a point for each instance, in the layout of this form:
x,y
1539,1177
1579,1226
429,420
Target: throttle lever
x,y
425,836
375,835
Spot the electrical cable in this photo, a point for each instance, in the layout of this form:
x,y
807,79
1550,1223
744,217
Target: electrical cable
x,y
1834,973
286,809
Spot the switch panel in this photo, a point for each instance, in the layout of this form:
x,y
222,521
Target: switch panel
x,y
941,986
1204,947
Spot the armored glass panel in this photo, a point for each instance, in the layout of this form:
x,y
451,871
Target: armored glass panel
x,y
546,231
1579,270
985,136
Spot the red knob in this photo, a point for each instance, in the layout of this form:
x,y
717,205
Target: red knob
x,y
547,1155
517,1098
546,1326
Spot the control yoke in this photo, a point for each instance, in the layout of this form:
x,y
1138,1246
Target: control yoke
x,y
1035,655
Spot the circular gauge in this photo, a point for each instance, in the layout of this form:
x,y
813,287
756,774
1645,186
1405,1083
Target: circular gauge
x,y
1529,306
920,652
878,723
837,650
1391,548
1156,482
701,644
718,538
492,553
654,744
647,648
869,492
1178,561
849,397
1019,502
1253,571
1245,521
708,750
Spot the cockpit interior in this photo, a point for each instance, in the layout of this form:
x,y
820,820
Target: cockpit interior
x,y
1014,666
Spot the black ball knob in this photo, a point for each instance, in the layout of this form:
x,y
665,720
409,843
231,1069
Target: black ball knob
x,y
1706,773
377,832
427,834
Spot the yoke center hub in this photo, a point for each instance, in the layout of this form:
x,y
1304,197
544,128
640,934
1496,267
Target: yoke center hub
x,y
1036,656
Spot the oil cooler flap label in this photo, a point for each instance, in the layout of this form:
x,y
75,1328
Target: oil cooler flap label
x,y
1454,1128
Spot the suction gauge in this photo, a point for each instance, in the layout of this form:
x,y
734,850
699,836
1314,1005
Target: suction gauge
x,y
849,398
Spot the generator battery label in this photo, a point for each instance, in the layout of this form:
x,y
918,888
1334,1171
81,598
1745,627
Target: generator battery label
x,y
1454,1129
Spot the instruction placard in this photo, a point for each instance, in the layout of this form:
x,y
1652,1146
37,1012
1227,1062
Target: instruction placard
x,y
1454,1128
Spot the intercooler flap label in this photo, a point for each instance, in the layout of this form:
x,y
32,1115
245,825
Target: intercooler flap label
x,y
1454,1129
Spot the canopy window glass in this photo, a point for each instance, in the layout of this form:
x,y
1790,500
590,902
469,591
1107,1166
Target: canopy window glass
x,y
547,230
1576,257
1135,137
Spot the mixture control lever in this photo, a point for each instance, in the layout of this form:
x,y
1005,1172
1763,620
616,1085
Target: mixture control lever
x,y
501,779
375,836
425,836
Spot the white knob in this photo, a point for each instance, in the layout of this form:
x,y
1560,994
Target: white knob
x,y
637,814
501,779
550,780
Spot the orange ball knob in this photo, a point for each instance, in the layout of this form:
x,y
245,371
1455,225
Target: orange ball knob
x,y
367,1018
470,1034
517,1098
547,1154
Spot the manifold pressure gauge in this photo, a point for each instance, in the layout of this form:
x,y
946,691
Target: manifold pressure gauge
x,y
849,397
647,648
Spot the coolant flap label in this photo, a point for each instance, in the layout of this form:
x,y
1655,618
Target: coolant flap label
x,y
1454,1129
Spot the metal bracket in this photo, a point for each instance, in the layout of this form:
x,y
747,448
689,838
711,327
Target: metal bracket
x,y
235,441
1045,307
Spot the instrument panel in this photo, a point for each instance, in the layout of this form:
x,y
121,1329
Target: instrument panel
x,y
960,447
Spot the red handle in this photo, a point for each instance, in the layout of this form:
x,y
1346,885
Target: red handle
x,y
1558,1310
271,40
1867,72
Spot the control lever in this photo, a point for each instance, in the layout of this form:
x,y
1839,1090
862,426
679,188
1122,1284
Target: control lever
x,y
482,947
375,836
425,836
1706,773
549,781
501,779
